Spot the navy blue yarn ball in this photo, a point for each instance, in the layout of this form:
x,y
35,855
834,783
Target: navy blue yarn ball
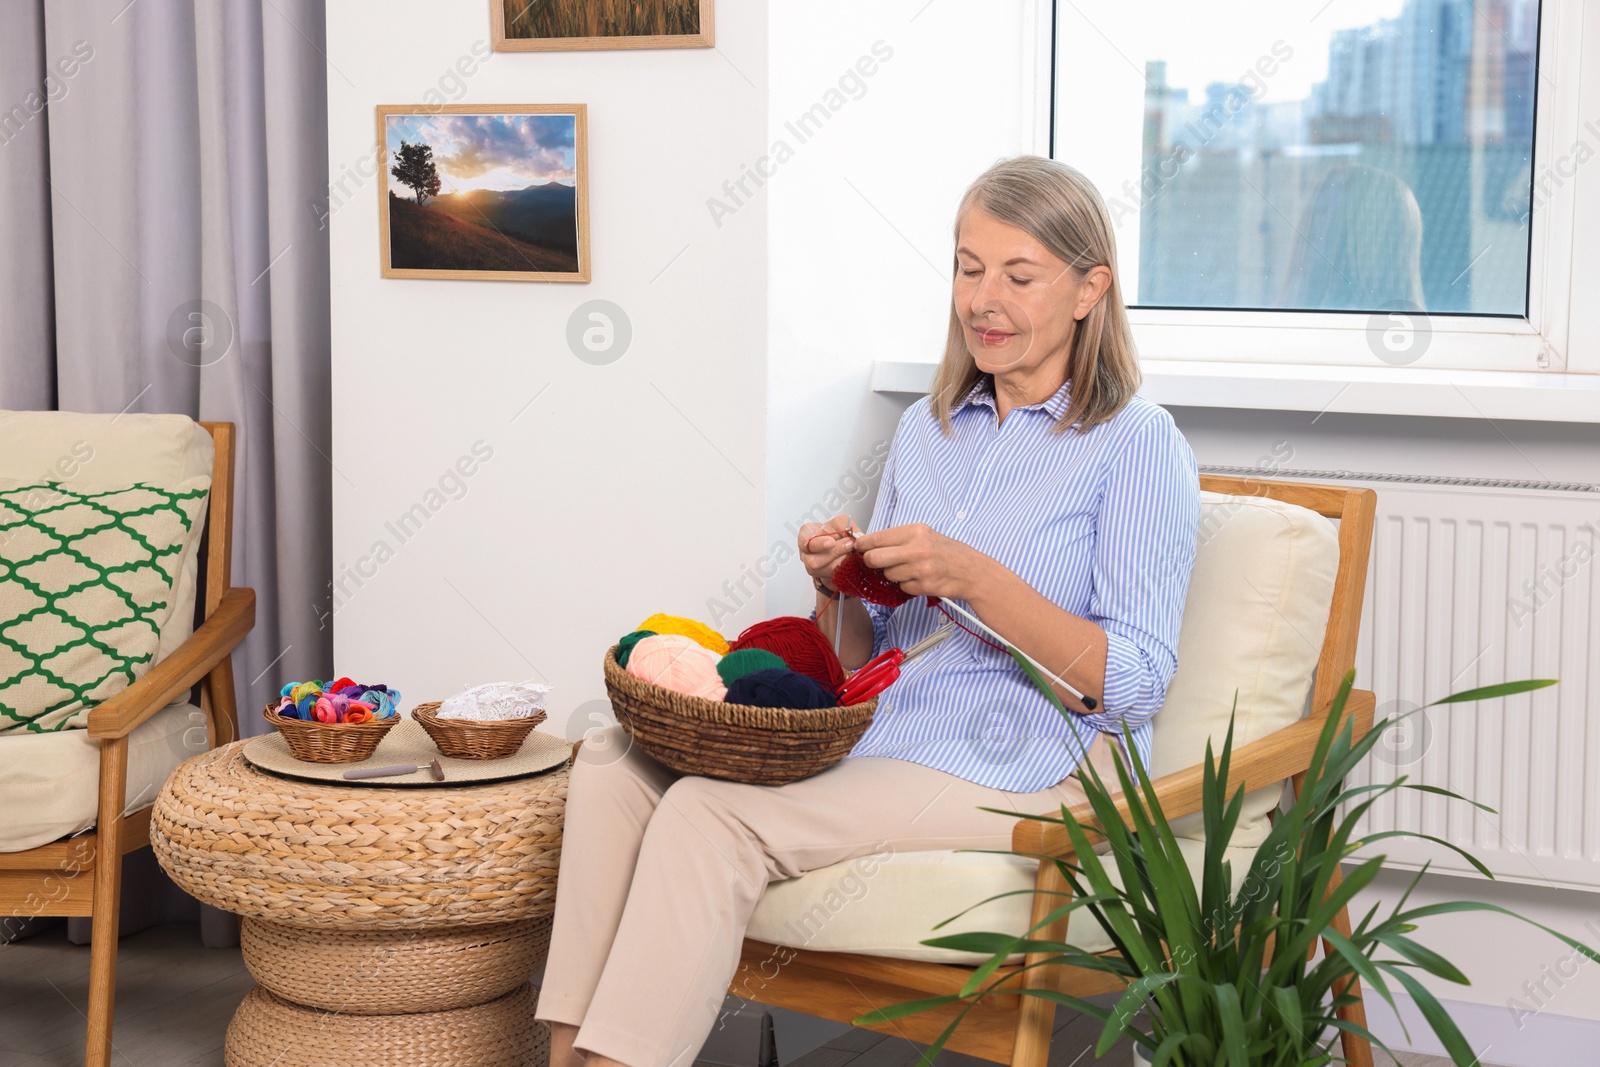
x,y
776,687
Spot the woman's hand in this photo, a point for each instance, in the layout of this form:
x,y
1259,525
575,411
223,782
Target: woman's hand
x,y
924,562
822,546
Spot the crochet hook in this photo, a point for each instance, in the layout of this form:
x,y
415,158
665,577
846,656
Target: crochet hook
x,y
432,768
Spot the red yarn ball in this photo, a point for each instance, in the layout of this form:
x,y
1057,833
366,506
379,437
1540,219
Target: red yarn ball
x,y
800,644
853,577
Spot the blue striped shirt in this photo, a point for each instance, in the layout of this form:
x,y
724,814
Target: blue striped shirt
x,y
1102,524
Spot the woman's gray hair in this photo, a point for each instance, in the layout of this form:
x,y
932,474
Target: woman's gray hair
x,y
1063,211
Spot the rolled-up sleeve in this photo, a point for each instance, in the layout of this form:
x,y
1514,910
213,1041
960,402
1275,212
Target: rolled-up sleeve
x,y
1144,554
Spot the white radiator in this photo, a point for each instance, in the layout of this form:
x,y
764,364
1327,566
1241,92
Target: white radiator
x,y
1473,582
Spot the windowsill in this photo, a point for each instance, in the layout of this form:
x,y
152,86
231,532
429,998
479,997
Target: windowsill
x,y
1462,394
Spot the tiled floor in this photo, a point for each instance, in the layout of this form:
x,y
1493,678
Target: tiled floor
x,y
174,1000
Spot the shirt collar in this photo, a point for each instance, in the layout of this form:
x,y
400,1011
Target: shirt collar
x,y
982,392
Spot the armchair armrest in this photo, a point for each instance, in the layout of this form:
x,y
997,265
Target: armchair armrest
x,y
213,640
1272,759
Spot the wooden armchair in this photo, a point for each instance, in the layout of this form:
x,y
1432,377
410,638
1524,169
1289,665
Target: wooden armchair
x,y
82,875
843,984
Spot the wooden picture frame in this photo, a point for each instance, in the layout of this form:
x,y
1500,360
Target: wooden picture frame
x,y
495,227
500,12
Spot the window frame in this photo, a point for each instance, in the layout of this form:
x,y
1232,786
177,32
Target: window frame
x,y
1544,342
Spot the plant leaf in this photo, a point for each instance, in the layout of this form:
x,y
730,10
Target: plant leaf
x,y
1490,692
1444,1027
901,1010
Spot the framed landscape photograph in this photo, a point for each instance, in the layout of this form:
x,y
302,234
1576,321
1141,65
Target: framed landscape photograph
x,y
497,191
581,25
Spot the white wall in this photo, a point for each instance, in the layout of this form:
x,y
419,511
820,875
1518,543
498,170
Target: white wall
x,y
624,489
860,224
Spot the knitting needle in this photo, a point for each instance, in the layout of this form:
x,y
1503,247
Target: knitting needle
x,y
1088,702
838,624
838,615
432,768
944,630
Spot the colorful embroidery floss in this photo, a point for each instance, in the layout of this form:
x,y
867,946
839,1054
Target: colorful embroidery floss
x,y
340,701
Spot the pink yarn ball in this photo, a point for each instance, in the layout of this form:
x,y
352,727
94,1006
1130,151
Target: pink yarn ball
x,y
677,663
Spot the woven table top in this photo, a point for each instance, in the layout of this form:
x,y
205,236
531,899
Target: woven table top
x,y
352,857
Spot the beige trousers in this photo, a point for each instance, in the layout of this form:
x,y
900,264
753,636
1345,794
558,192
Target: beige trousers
x,y
660,874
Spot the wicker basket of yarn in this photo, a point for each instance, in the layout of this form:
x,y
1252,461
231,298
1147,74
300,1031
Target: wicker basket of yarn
x,y
476,738
329,742
737,742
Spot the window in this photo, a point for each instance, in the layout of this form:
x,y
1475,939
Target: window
x,y
1295,184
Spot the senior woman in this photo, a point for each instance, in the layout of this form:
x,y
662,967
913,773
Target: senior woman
x,y
1033,486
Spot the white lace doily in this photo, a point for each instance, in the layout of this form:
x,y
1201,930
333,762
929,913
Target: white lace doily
x,y
495,700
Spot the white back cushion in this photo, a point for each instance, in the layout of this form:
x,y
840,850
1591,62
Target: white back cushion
x,y
111,452
1253,623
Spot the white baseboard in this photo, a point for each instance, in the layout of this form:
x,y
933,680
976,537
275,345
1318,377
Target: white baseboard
x,y
1543,1040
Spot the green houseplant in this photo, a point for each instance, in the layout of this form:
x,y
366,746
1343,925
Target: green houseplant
x,y
1224,977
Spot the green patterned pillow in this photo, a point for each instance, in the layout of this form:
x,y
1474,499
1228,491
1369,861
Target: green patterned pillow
x,y
86,583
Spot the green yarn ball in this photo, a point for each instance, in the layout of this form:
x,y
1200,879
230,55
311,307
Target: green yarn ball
x,y
625,646
743,661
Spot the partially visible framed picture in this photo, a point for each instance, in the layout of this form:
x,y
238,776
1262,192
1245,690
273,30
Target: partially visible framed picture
x,y
490,191
583,25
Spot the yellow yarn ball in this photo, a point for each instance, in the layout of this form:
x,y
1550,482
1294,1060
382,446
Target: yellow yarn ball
x,y
699,633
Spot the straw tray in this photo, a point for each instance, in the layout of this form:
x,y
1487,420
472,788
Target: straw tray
x,y
329,742
736,742
475,738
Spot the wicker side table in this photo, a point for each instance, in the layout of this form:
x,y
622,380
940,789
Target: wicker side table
x,y
385,926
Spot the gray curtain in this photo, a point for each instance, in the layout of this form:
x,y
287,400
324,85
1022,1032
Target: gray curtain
x,y
162,249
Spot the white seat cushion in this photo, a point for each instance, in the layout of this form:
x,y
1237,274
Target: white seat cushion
x,y
1254,620
49,783
886,904
112,452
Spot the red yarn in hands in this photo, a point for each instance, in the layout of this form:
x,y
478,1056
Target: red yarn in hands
x,y
853,577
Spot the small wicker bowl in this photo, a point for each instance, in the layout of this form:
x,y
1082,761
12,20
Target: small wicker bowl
x,y
475,738
329,742
736,742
